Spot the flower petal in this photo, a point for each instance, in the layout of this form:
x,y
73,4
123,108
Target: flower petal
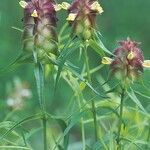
x,y
106,60
57,7
71,17
97,7
23,4
34,14
146,63
130,55
65,5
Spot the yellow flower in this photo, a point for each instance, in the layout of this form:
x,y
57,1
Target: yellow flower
x,y
97,7
23,4
146,63
130,55
34,14
57,7
65,5
71,17
106,60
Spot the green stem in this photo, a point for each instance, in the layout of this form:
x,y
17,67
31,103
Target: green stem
x,y
39,76
44,120
148,137
82,126
83,133
92,102
120,120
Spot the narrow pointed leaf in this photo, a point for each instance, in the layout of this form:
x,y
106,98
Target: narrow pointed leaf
x,y
34,117
93,44
132,95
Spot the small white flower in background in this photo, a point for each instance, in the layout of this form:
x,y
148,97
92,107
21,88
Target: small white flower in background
x,y
18,93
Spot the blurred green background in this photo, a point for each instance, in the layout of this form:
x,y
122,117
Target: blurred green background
x,y
121,19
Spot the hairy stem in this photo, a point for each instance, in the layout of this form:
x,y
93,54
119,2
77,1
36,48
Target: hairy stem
x,y
92,102
120,120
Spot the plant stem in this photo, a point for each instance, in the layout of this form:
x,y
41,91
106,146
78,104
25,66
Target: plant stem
x,y
82,125
120,120
92,102
44,119
83,133
148,137
39,76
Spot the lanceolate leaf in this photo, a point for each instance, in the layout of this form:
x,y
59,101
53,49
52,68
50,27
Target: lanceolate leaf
x,y
82,79
75,73
93,44
15,148
132,95
142,94
22,58
6,124
34,117
63,125
63,57
39,76
100,43
73,120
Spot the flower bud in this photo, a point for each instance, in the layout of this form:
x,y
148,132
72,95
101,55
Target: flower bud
x,y
39,27
82,17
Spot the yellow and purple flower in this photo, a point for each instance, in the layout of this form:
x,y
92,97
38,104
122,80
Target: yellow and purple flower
x,y
39,26
128,61
81,16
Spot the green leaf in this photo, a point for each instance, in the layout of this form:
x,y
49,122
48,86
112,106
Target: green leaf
x,y
93,44
63,57
6,124
114,89
100,43
15,147
132,95
86,82
30,118
65,26
17,29
29,134
39,76
142,94
63,126
132,142
73,120
22,58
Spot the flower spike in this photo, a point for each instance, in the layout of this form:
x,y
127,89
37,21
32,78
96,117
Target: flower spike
x,y
40,28
128,62
81,16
